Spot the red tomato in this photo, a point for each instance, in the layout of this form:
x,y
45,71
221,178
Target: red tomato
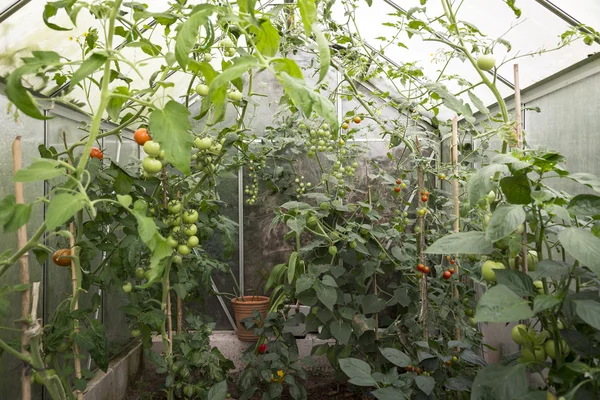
x,y
447,274
60,257
357,120
262,349
397,189
96,153
426,270
141,136
451,270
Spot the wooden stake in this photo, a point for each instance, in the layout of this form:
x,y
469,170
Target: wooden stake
x,y
422,260
519,131
23,272
76,359
374,273
456,190
179,316
168,310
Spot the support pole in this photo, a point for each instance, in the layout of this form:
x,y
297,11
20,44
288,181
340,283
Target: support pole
x,y
456,192
421,246
519,132
23,273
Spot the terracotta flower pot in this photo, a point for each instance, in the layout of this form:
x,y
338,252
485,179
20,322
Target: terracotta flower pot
x,y
244,309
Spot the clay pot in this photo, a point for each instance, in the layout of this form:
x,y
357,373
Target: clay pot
x,y
244,309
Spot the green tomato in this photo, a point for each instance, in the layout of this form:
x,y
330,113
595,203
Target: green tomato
x,y
487,270
352,244
333,250
551,350
172,242
208,57
517,336
190,230
486,62
183,249
127,287
174,207
454,359
235,95
472,322
139,273
202,90
312,222
151,165
193,241
532,260
520,229
469,312
324,206
535,354
177,259
135,333
227,43
152,148
539,286
190,216
37,378
202,143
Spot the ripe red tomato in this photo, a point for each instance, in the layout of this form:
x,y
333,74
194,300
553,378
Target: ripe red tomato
x,y
420,267
426,270
447,275
397,189
451,270
60,257
398,181
262,349
357,120
424,199
96,153
448,363
141,136
409,368
452,262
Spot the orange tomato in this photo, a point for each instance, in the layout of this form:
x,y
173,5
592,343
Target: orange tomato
x,y
141,136
60,257
96,153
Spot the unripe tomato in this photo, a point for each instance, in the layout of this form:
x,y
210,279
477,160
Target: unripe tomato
x,y
487,270
60,257
151,165
357,120
202,143
190,230
193,241
234,95
422,211
141,136
469,312
183,249
202,90
177,259
333,250
152,148
127,287
486,62
171,241
517,336
139,273
345,126
135,333
454,359
190,216
419,275
442,176
539,285
174,207
352,244
96,153
535,354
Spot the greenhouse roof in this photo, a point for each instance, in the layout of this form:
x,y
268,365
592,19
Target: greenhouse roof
x,y
539,27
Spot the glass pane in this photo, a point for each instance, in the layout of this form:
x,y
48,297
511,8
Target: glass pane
x,y
585,11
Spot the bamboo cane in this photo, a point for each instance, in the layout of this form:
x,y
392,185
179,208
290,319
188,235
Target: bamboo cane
x,y
455,187
375,272
168,310
23,272
519,132
422,260
76,359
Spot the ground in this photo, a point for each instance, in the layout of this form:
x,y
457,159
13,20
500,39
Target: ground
x,y
319,386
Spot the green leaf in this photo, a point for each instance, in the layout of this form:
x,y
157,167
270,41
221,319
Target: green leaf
x,y
88,67
583,246
247,6
372,304
289,66
586,179
543,302
514,8
388,393
291,272
115,104
452,102
500,304
171,128
585,205
395,356
358,371
480,183
589,312
516,189
62,207
478,103
505,220
7,208
19,217
425,383
51,9
308,100
188,33
21,98
341,331
518,282
324,53
550,269
326,295
462,243
497,382
267,39
308,12
124,200
40,170
218,391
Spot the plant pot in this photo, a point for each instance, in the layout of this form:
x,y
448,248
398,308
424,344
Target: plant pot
x,y
244,309
300,329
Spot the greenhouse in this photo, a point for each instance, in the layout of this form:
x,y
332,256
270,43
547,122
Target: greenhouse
x,y
299,199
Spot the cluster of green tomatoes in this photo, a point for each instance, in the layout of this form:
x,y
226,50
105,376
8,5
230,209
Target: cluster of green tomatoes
x,y
152,163
209,150
182,237
252,189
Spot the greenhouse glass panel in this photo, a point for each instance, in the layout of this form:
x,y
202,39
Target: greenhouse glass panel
x,y
586,12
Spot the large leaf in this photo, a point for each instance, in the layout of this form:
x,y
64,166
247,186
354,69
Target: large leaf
x,y
88,67
326,295
582,245
589,312
267,39
586,179
171,128
218,391
341,331
425,383
504,221
308,12
388,393
550,269
395,356
372,304
585,205
40,170
518,282
324,53
358,371
543,302
62,207
188,33
452,102
480,183
500,304
499,382
462,243
308,100
516,189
